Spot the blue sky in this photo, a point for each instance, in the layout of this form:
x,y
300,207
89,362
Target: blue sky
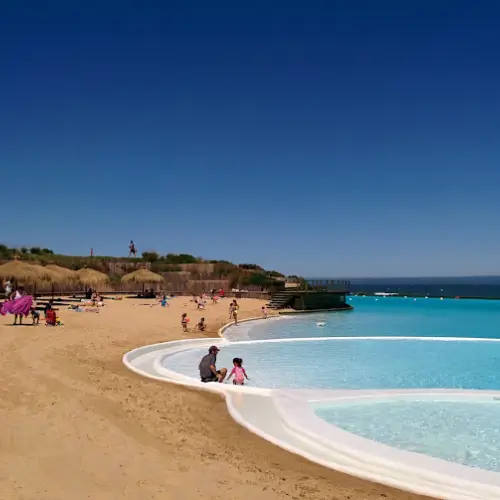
x,y
344,138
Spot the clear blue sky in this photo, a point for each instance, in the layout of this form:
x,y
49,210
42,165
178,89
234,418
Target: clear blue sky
x,y
342,138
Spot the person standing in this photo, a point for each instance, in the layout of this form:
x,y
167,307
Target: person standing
x,y
236,308
131,249
19,294
7,288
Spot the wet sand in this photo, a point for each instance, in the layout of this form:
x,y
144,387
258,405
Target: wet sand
x,y
76,424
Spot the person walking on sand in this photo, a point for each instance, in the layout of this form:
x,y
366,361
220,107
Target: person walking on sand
x,y
231,310
208,369
235,312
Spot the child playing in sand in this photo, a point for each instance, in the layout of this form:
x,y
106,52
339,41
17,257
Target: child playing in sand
x,y
201,325
239,372
34,313
184,322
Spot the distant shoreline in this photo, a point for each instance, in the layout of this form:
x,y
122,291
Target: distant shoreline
x,y
423,296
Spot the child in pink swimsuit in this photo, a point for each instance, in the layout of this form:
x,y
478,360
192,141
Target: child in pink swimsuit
x,y
239,372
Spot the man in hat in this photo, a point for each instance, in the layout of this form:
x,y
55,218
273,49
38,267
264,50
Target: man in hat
x,y
208,370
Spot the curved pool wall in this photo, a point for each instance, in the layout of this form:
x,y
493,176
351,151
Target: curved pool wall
x,y
287,418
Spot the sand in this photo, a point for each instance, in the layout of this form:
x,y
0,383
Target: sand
x,y
76,424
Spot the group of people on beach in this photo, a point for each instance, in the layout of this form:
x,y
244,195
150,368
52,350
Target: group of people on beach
x,y
18,303
201,326
208,364
209,373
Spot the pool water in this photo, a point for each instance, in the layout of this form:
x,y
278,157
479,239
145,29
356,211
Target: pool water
x,y
391,316
295,352
358,364
464,432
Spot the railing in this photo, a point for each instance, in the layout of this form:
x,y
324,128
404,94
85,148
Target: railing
x,y
341,285
178,293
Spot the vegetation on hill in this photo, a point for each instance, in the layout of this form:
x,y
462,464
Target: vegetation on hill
x,y
198,268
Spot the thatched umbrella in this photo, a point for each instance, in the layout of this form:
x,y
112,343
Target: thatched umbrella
x,y
143,276
23,271
66,274
61,275
91,277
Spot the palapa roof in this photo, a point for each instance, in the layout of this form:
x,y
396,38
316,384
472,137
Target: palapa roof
x,y
143,276
92,277
24,271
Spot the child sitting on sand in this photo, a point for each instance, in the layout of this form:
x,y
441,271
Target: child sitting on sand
x,y
201,325
50,317
239,372
184,322
34,313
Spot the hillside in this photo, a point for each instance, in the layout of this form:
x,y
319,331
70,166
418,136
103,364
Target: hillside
x,y
181,271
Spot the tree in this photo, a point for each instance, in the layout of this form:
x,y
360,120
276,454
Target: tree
x,y
35,250
150,256
257,279
24,250
251,267
5,252
181,258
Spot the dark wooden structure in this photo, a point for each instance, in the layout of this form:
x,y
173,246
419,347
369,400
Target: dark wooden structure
x,y
320,295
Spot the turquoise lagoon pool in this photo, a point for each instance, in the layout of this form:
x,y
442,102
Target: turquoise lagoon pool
x,y
463,432
457,349
320,360
358,364
390,316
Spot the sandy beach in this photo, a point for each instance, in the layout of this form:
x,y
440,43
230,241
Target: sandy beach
x,y
76,424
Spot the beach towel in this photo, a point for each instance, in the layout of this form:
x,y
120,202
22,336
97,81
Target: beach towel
x,y
18,306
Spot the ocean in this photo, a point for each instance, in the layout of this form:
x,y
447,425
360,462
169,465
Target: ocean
x,y
468,286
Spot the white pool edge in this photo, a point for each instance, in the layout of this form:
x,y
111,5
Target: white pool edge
x,y
344,451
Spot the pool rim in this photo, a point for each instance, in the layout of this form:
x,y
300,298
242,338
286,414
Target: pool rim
x,y
426,482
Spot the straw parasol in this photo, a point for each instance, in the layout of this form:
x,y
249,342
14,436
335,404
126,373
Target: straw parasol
x,y
143,276
62,274
23,271
91,277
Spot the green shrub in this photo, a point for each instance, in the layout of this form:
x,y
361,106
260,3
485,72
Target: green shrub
x,y
150,256
181,258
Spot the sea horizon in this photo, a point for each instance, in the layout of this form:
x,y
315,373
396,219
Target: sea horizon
x,y
487,287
